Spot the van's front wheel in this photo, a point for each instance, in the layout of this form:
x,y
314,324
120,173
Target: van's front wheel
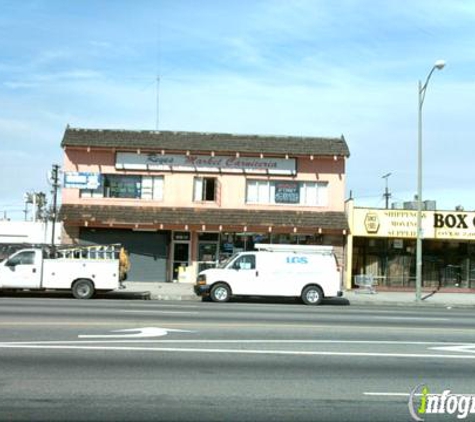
x,y
312,295
220,293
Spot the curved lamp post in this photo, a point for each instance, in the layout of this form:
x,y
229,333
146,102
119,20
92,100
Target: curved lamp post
x,y
439,64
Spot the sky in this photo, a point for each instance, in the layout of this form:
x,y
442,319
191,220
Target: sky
x,y
275,67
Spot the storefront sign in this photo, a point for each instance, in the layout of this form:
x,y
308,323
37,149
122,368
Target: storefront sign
x,y
82,180
287,193
181,236
403,224
204,163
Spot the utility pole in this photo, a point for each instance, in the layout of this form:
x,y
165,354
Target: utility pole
x,y
386,194
54,177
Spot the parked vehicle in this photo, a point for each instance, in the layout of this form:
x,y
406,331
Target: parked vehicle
x,y
81,269
308,272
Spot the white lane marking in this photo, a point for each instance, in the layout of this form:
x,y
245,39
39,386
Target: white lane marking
x,y
135,333
398,318
462,348
384,393
161,305
371,393
244,341
241,351
152,311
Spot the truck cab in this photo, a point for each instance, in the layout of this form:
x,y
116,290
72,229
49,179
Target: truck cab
x,y
22,270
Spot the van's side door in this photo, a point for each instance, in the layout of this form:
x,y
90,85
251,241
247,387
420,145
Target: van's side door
x,y
22,270
245,279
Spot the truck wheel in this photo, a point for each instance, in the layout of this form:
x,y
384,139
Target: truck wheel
x,y
220,293
83,289
312,295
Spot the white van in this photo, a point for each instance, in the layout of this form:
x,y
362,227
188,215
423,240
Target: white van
x,y
308,272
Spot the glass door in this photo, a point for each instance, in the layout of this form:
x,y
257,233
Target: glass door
x,y
180,253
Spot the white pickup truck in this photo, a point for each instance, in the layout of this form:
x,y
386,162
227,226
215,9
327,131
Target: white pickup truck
x,y
82,269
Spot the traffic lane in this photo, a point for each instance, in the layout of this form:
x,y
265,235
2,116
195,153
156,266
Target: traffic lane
x,y
377,349
30,304
218,386
210,312
263,307
66,294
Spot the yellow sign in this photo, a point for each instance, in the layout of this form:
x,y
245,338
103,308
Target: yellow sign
x,y
369,222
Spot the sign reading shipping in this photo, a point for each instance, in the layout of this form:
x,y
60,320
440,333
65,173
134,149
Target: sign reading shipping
x,y
204,163
369,222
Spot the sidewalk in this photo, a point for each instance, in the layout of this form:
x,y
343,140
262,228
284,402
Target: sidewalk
x,y
184,291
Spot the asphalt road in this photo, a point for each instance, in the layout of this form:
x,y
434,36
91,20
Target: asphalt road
x,y
111,360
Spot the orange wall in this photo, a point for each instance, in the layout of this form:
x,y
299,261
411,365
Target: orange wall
x,y
178,187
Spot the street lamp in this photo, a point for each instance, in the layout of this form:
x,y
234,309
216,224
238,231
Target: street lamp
x,y
439,64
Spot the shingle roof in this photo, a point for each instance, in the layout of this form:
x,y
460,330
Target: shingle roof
x,y
200,141
101,214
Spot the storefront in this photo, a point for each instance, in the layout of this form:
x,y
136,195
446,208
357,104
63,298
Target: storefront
x,y
181,202
383,244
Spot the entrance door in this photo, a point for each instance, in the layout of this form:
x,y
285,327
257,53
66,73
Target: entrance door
x,y
180,257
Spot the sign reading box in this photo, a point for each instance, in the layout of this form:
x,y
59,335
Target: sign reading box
x,y
82,180
402,224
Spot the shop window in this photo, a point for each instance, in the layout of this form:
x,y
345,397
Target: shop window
x,y
119,186
287,192
152,188
312,193
205,189
258,192
125,186
92,193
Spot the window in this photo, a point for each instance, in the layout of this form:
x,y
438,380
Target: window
x,y
258,192
312,193
118,186
286,192
23,258
205,189
245,262
92,193
152,188
125,186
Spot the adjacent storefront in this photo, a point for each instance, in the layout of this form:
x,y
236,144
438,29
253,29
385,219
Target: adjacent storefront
x,y
383,244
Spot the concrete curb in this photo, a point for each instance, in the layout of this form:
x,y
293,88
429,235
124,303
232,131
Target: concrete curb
x,y
350,301
411,304
184,292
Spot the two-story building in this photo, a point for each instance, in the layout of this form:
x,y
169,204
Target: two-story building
x,y
189,200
